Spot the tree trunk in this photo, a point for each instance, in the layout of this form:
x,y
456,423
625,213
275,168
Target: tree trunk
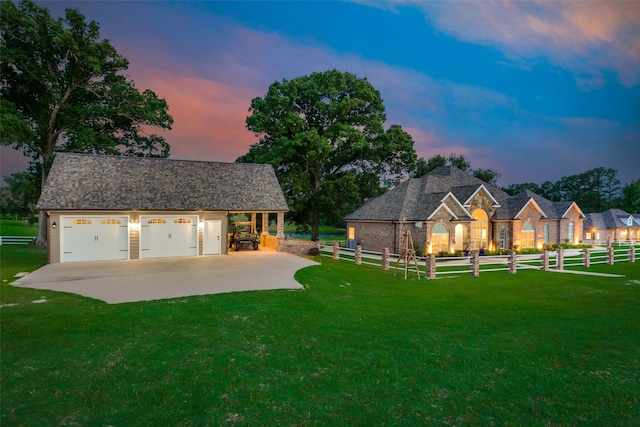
x,y
41,239
315,224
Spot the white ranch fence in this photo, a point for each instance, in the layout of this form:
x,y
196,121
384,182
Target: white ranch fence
x,y
16,240
474,264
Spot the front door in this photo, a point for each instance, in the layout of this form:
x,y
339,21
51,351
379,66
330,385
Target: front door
x,y
212,237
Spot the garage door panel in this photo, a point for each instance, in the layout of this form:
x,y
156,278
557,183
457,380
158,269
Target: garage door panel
x,y
94,238
168,236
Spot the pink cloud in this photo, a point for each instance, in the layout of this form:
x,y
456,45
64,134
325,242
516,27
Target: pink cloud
x,y
583,37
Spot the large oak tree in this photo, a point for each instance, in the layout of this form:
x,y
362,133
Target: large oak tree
x,y
62,88
324,134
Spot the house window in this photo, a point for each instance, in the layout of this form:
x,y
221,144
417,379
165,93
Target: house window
x,y
156,221
588,236
81,221
182,221
571,232
630,221
546,233
351,235
479,229
440,239
528,235
503,238
110,221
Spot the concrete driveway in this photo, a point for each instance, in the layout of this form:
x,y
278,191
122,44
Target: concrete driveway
x,y
152,279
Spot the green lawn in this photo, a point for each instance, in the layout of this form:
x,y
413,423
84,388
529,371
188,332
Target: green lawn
x,y
358,346
11,227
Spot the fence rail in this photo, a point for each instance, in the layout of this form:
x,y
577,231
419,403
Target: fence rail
x,y
16,240
430,266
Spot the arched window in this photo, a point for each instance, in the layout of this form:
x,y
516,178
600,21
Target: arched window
x,y
479,229
528,235
439,239
182,221
81,221
110,221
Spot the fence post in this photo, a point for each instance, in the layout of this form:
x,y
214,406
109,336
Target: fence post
x,y
586,257
632,253
560,259
544,260
358,255
385,259
475,264
512,262
336,250
431,266
610,255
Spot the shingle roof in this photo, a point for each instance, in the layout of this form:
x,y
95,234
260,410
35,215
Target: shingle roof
x,y
417,198
612,218
97,182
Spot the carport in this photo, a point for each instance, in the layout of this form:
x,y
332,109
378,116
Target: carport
x,y
154,279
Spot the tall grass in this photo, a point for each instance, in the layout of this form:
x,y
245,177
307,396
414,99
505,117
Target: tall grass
x,y
358,346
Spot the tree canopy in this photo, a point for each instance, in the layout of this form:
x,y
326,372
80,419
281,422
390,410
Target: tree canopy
x,y
63,89
423,167
324,134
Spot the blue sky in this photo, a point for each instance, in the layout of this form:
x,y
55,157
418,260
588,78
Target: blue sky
x,y
534,90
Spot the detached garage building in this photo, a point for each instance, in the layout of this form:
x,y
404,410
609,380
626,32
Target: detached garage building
x,y
118,208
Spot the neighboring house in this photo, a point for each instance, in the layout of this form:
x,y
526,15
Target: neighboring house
x,y
448,210
115,207
613,225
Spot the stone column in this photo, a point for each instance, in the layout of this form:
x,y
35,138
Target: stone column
x,y
632,253
265,223
358,255
431,266
280,220
544,259
512,262
475,263
586,257
253,220
336,250
560,259
385,259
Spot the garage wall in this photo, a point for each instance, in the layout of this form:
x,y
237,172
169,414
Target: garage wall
x,y
134,228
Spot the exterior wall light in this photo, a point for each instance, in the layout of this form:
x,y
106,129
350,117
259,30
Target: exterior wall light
x,y
54,225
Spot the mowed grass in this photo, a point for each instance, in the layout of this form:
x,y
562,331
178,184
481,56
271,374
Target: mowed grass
x,y
11,227
358,346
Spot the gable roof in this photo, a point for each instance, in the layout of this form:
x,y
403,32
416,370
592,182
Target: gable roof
x,y
612,218
418,198
98,182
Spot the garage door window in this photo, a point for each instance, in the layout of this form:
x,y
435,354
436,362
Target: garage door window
x,y
156,221
182,221
81,221
110,221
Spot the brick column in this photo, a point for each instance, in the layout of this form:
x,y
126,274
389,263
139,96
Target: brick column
x,y
610,255
632,253
512,262
431,266
385,259
358,255
544,259
336,250
586,257
475,263
280,220
560,259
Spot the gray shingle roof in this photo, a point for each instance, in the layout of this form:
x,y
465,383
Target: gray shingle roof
x,y
417,198
97,182
612,218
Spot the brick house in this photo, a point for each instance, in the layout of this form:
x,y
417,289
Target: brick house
x,y
613,225
448,210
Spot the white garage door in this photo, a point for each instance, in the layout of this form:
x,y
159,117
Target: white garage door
x,y
168,236
94,238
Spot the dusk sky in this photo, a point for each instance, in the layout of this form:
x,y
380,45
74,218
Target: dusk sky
x,y
533,90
